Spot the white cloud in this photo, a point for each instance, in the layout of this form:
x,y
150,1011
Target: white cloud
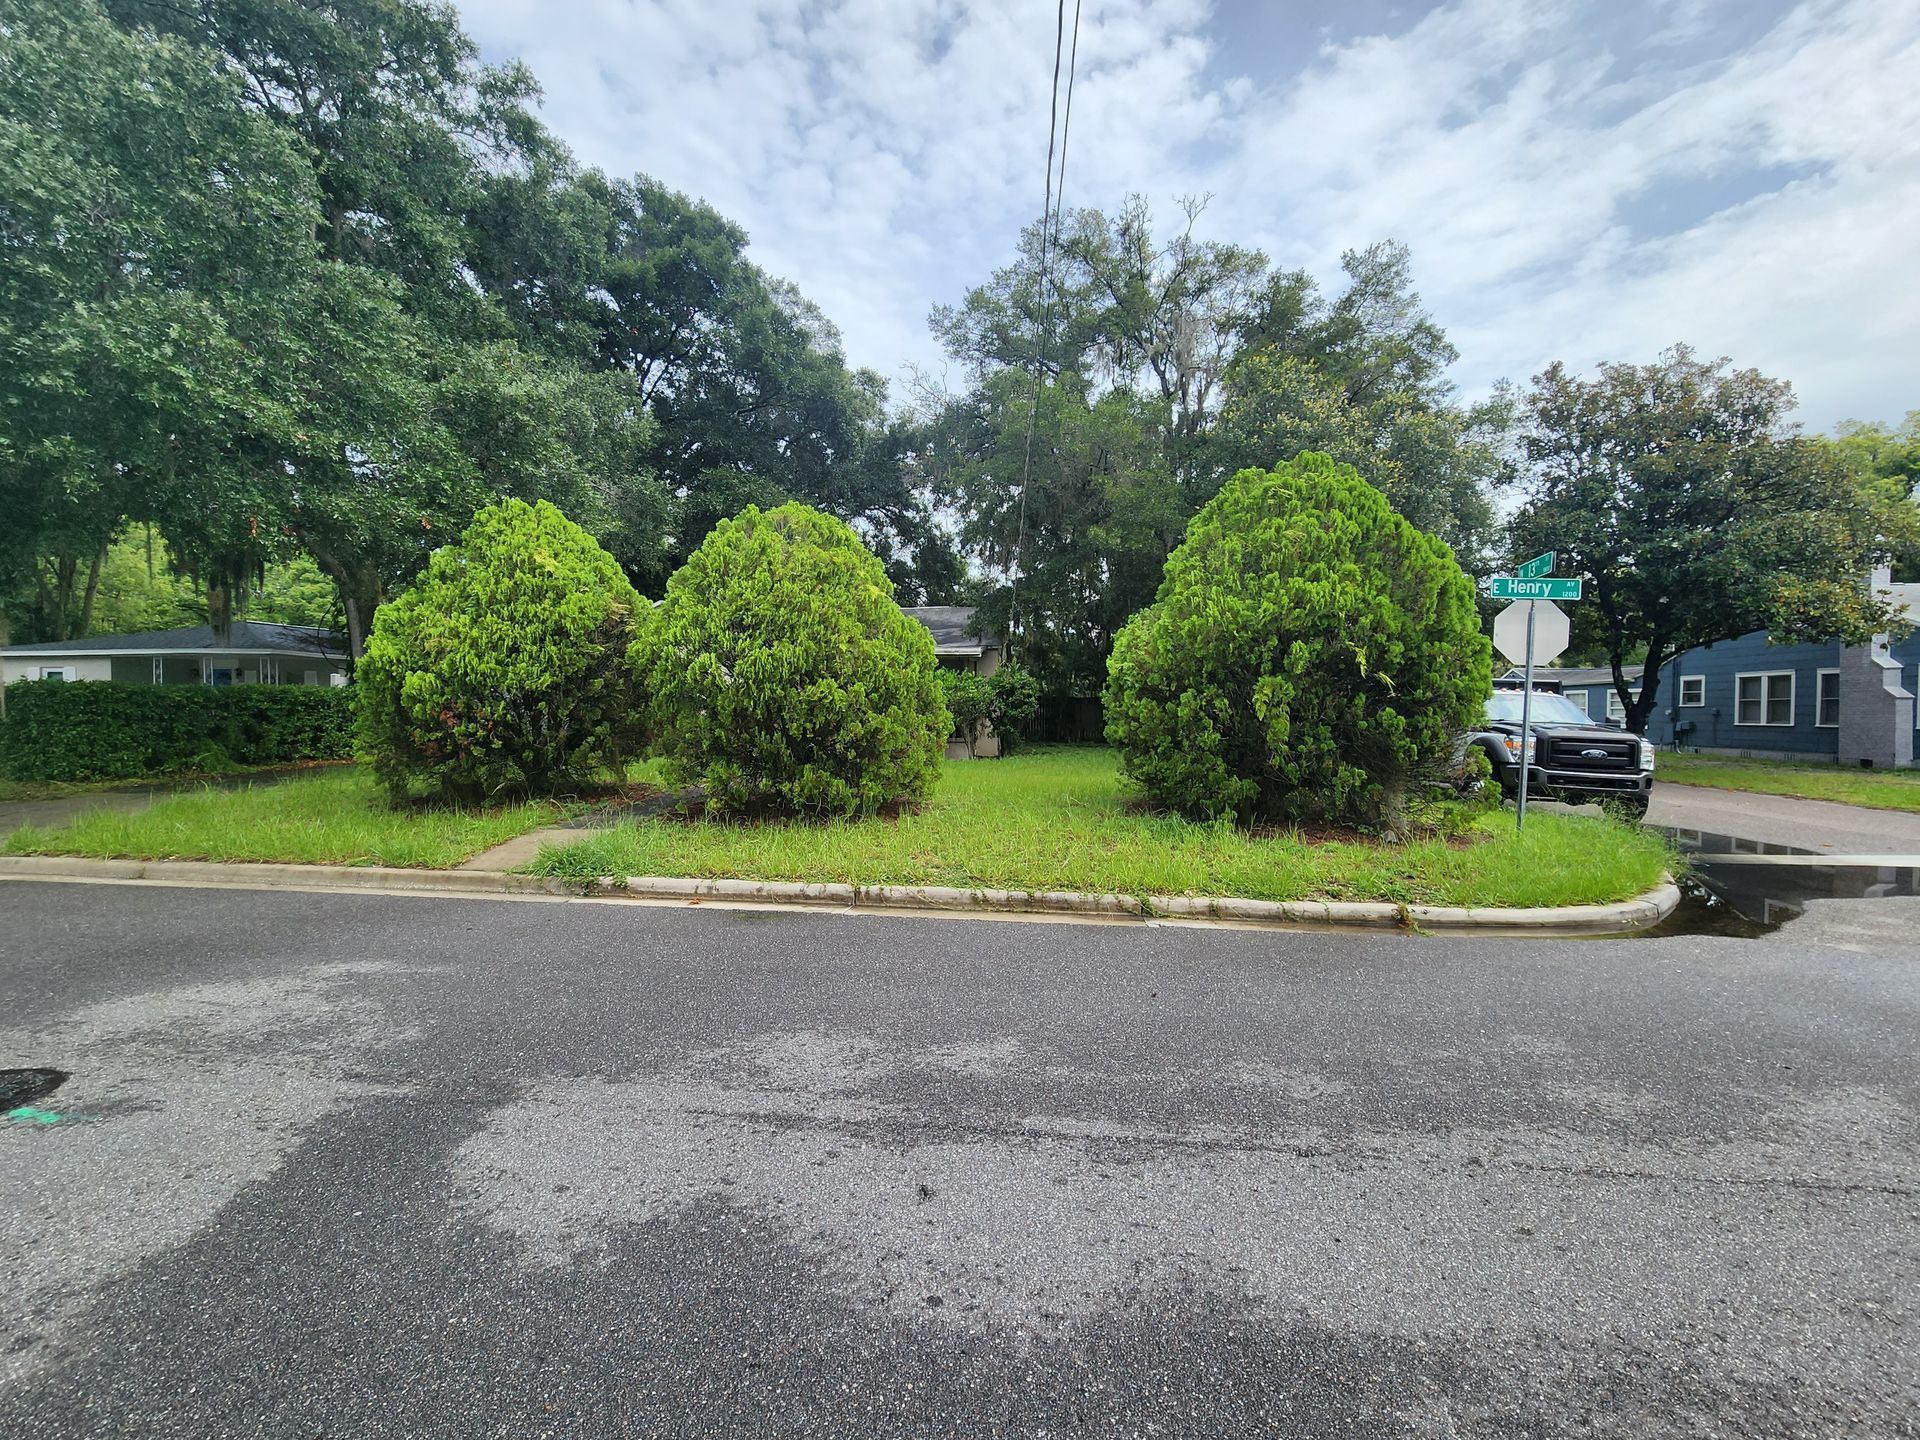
x,y
884,154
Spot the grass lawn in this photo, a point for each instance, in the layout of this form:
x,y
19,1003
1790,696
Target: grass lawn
x,y
1055,819
335,817
1878,789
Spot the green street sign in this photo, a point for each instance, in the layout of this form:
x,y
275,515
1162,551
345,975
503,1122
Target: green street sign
x,y
1536,567
1509,587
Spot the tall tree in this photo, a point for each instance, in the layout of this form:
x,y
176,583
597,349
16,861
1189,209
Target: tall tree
x,y
749,394
1435,462
1374,339
1101,513
1885,460
1697,512
409,402
401,120
153,232
1146,371
1106,301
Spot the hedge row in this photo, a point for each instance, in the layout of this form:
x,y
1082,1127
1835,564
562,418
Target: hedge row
x,y
98,730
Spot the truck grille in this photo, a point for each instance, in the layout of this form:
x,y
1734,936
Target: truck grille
x,y
1573,754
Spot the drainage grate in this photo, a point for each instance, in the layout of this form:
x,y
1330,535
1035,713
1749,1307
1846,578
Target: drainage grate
x,y
23,1087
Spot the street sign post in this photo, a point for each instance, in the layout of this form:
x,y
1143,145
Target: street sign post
x,y
1526,632
1512,587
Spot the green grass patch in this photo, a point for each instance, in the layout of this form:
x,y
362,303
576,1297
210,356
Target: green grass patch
x,y
335,817
1058,819
1876,789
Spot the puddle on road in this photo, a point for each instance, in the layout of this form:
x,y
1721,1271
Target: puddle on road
x,y
1702,911
1743,900
1706,842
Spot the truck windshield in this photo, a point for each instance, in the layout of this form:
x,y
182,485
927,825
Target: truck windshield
x,y
1548,709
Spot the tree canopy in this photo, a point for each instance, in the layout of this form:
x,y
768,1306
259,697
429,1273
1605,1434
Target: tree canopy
x,y
287,279
1148,370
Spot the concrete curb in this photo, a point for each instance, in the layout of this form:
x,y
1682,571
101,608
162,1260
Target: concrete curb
x,y
251,875
1635,914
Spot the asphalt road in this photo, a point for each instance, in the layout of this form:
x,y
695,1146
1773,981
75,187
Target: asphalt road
x,y
366,1166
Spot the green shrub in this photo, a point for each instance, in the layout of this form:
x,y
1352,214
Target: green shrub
x,y
785,676
97,730
1014,697
503,669
1006,702
1310,656
969,700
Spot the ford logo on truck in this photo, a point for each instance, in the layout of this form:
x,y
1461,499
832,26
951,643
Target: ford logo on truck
x,y
1593,754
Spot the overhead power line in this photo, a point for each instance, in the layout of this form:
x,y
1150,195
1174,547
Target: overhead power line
x,y
1050,211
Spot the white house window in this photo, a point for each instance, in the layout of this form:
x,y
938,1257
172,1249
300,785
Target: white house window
x,y
159,670
56,672
1693,689
1577,697
1616,707
1763,699
1827,711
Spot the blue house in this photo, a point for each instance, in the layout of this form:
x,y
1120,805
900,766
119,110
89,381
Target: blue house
x,y
1797,702
1850,704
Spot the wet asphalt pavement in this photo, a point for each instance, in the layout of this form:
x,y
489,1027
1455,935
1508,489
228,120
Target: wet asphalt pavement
x,y
347,1165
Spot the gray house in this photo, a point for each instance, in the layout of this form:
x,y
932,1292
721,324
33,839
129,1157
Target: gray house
x,y
251,653
956,649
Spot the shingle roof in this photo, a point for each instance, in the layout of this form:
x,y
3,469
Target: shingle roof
x,y
1574,676
949,626
1577,676
197,639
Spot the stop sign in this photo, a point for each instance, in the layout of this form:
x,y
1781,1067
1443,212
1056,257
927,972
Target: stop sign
x,y
1550,631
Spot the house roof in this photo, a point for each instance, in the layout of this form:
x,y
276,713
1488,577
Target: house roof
x,y
246,635
1574,676
949,625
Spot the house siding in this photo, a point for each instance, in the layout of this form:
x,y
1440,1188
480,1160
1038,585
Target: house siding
x,y
28,667
1596,695
1713,722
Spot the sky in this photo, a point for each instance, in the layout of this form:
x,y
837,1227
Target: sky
x,y
1580,180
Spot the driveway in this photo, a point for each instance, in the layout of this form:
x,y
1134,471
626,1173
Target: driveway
x,y
1818,825
61,809
395,1166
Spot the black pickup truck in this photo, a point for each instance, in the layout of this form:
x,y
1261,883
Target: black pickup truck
x,y
1571,756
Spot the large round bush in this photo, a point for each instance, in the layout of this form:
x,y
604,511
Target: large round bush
x,y
504,667
1310,656
784,676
